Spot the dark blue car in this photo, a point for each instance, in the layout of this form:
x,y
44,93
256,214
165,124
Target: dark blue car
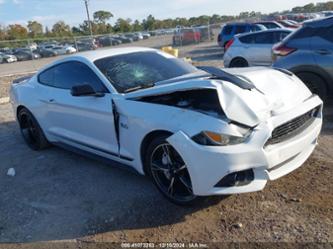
x,y
231,29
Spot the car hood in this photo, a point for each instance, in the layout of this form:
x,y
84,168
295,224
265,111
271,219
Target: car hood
x,y
274,92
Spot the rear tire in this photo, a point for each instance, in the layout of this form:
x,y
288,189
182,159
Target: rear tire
x,y
239,62
31,131
315,83
169,172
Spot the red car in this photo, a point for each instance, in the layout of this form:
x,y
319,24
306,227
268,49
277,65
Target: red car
x,y
186,36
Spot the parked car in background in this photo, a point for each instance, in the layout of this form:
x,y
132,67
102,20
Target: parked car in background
x,y
7,58
309,54
231,29
47,45
134,37
253,49
186,36
146,35
289,24
108,40
46,52
123,38
62,50
139,35
271,24
297,23
206,33
26,54
85,46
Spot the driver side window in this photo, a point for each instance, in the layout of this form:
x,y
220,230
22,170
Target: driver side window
x,y
69,74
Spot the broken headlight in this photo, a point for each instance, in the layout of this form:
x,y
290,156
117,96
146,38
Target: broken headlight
x,y
216,139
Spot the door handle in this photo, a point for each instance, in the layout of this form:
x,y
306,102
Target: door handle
x,y
323,51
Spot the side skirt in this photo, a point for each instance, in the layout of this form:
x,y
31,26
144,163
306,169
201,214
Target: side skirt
x,y
96,157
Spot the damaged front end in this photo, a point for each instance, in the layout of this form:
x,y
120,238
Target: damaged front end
x,y
205,101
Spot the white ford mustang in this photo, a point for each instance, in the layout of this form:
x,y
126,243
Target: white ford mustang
x,y
195,132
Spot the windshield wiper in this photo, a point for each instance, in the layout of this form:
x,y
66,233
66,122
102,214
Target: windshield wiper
x,y
138,87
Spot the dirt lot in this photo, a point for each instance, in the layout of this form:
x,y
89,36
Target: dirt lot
x,y
58,195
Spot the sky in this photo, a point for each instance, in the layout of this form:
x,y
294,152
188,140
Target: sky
x,y
73,11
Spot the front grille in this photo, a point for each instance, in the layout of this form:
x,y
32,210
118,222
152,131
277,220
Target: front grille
x,y
293,127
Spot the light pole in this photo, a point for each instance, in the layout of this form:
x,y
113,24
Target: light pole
x,y
89,22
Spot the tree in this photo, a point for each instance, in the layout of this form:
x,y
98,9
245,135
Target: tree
x,y
47,31
35,28
136,26
16,31
2,33
215,19
60,28
102,16
309,7
76,31
149,23
122,25
181,21
85,27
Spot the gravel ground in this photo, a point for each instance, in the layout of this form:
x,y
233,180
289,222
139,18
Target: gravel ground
x,y
58,195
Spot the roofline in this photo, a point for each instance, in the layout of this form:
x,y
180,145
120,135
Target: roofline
x,y
320,21
263,31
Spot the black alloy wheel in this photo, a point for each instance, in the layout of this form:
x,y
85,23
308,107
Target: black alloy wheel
x,y
31,131
169,172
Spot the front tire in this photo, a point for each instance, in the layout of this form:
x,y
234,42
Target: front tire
x,y
169,172
31,131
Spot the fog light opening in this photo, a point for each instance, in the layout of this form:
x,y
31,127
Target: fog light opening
x,y
236,179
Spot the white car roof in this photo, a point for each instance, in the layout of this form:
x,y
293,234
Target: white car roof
x,y
102,53
91,56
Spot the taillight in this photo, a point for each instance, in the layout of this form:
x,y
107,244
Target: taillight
x,y
281,49
229,43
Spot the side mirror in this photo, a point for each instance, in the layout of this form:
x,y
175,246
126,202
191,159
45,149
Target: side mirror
x,y
85,90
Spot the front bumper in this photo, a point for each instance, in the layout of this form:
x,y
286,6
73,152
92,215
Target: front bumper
x,y
207,165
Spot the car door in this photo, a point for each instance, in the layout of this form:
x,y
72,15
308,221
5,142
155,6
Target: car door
x,y
260,49
322,45
82,121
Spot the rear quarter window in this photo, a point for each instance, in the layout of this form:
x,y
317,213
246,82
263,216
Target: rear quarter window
x,y
264,38
300,38
47,77
304,32
247,39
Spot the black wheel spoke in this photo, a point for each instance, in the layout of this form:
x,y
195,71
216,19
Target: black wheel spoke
x,y
170,189
183,167
186,184
157,167
170,173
